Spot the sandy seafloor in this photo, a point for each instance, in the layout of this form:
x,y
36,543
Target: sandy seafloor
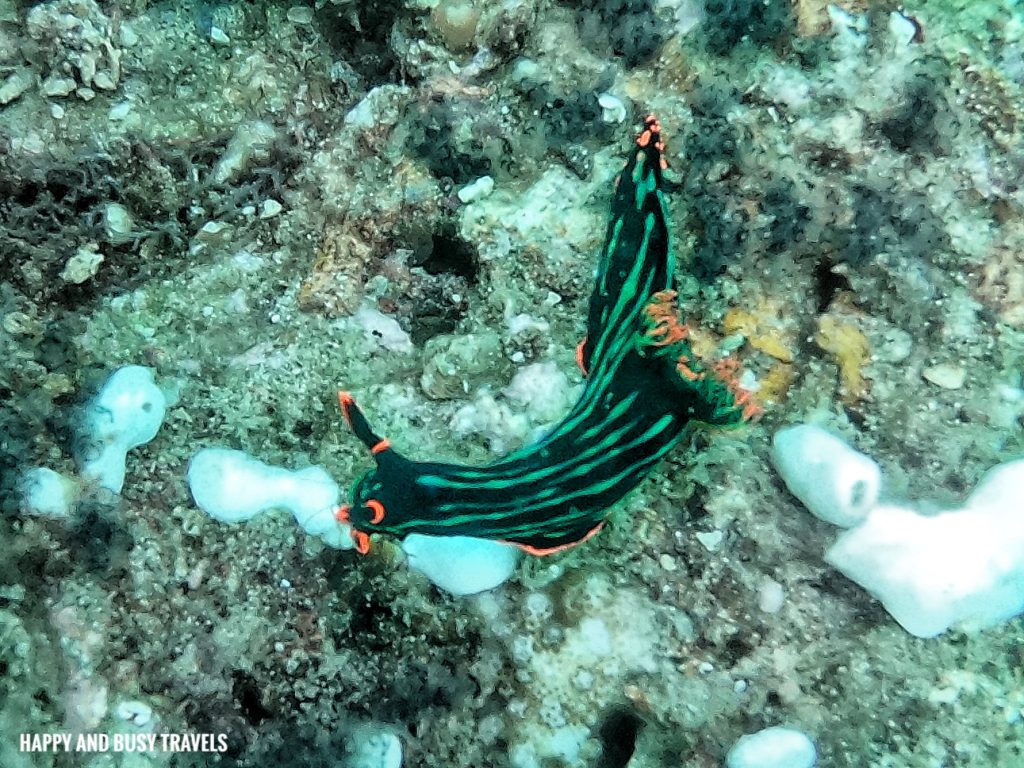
x,y
260,202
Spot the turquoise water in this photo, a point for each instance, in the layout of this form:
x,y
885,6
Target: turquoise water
x,y
263,203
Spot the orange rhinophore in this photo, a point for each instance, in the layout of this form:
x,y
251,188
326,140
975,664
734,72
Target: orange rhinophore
x,y
377,509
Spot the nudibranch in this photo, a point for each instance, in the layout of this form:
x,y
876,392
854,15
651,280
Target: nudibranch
x,y
644,389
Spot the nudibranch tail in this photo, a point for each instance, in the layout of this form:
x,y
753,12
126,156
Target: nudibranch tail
x,y
636,260
644,389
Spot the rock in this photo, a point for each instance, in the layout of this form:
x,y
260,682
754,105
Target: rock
x,y
15,85
83,264
945,375
476,190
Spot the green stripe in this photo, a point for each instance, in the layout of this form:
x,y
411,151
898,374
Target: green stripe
x,y
606,257
460,511
495,475
572,515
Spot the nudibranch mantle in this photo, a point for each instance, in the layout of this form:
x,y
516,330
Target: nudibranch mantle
x,y
644,388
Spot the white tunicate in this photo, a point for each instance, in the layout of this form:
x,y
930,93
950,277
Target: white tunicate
x,y
962,568
372,747
835,482
776,747
46,493
231,486
1000,488
461,565
126,413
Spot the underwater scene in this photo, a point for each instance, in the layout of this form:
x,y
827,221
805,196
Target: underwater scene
x,y
512,384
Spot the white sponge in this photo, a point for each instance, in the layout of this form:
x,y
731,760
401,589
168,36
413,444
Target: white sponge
x,y
932,572
372,747
776,747
836,483
461,565
1000,489
231,486
45,493
127,412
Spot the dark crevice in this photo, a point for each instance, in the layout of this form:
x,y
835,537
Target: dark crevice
x,y
828,284
246,692
452,255
617,733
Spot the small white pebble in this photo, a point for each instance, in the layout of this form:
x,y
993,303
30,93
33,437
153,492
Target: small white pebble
x,y
213,232
945,375
710,540
612,108
104,81
120,111
300,14
128,35
270,208
137,713
771,596
476,190
83,264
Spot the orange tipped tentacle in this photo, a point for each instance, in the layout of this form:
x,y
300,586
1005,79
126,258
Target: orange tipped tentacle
x,y
727,370
684,370
664,328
